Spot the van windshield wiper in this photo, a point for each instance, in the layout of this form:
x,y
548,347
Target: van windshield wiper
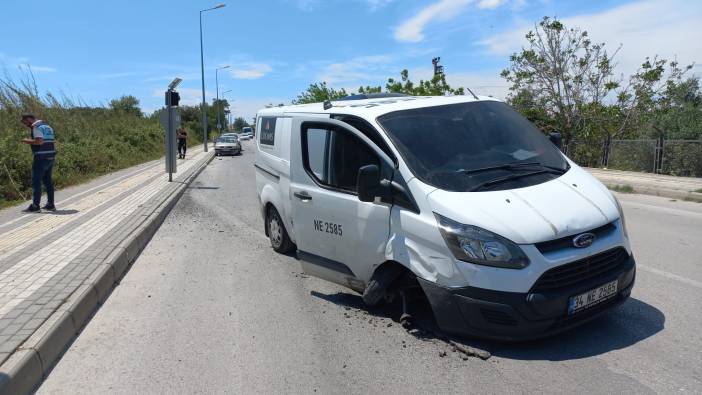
x,y
513,166
508,178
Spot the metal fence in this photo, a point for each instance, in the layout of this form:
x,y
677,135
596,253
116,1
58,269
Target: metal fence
x,y
662,156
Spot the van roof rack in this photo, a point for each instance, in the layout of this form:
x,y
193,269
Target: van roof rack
x,y
362,96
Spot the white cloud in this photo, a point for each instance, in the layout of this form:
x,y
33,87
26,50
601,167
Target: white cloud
x,y
247,107
375,5
490,4
357,70
412,30
250,71
41,69
312,5
668,28
111,76
24,63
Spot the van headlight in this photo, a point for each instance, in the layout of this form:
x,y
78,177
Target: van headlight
x,y
621,216
476,245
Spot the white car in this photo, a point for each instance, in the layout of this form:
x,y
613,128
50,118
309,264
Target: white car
x,y
246,133
458,196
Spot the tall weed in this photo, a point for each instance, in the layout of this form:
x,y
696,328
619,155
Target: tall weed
x,y
90,141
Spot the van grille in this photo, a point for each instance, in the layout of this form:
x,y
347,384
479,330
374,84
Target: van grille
x,y
567,275
567,242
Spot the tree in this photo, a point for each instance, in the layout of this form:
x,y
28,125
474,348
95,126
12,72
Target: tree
x,y
217,107
319,92
367,90
563,72
127,104
240,123
658,98
437,86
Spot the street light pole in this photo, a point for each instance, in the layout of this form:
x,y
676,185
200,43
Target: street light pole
x,y
219,105
202,75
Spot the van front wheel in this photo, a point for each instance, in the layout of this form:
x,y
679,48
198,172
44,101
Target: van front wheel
x,y
280,241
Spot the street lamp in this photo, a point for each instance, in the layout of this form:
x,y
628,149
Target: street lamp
x,y
219,122
202,72
222,107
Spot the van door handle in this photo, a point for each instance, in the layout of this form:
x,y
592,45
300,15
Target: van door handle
x,y
304,196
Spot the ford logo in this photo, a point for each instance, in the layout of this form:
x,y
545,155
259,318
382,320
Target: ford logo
x,y
583,240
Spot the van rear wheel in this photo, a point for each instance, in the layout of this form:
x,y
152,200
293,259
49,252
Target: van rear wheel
x,y
280,241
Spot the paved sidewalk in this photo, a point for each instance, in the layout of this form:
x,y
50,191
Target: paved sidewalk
x,y
652,184
56,267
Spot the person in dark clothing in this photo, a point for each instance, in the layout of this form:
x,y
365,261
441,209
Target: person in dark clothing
x,y
182,142
44,153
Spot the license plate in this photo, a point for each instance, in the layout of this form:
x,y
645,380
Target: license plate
x,y
592,297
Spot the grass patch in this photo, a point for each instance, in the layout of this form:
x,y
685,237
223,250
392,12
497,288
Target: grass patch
x,y
694,199
621,188
698,190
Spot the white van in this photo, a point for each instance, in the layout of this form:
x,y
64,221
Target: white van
x,y
460,196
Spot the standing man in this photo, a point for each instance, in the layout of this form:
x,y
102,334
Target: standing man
x,y
182,142
44,153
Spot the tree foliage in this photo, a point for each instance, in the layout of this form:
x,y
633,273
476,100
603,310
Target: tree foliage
x,y
436,86
240,123
319,92
563,81
127,104
563,72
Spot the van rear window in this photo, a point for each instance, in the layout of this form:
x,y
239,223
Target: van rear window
x,y
268,130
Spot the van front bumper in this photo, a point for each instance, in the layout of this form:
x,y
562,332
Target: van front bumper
x,y
513,316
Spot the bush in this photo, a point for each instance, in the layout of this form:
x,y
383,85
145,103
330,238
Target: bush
x,y
682,158
90,141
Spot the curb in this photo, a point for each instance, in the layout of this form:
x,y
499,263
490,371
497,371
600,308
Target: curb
x,y
671,187
652,191
33,360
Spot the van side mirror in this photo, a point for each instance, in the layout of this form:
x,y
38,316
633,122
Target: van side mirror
x,y
368,183
556,139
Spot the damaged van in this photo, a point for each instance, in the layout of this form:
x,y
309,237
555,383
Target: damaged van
x,y
458,196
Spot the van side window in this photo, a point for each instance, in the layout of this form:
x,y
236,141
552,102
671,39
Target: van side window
x,y
333,158
347,155
317,140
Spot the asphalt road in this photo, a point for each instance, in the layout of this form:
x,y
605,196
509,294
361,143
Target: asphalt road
x,y
209,308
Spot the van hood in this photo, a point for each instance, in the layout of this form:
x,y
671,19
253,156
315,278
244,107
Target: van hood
x,y
574,202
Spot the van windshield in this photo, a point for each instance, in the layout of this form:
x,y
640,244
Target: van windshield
x,y
477,146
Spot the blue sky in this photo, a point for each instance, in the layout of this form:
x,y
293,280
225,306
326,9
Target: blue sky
x,y
99,50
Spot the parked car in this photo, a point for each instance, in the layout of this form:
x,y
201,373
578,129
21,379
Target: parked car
x,y
227,145
459,198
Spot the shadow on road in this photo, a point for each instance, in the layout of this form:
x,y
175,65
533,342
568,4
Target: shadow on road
x,y
620,328
208,188
623,327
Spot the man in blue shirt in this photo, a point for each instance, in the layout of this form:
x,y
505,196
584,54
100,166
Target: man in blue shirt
x,y
44,154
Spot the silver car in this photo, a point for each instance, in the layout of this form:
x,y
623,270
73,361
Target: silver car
x,y
227,145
